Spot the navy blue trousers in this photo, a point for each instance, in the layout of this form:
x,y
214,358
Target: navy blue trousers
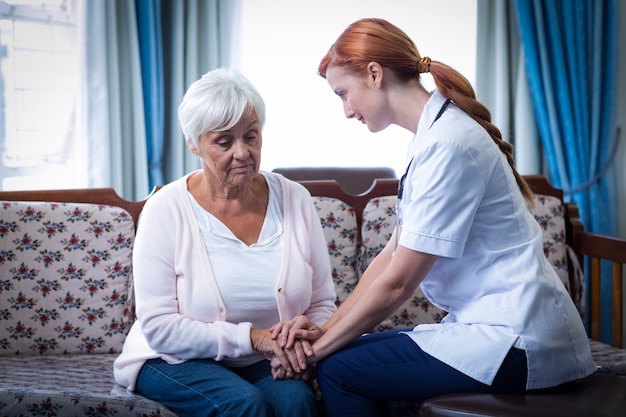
x,y
361,378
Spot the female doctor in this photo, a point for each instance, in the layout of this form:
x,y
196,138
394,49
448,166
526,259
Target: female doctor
x,y
464,234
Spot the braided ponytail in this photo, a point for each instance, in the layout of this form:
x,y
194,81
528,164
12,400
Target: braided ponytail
x,y
453,85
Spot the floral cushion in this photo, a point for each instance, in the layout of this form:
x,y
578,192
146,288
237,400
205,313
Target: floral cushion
x,y
65,276
340,230
379,222
548,212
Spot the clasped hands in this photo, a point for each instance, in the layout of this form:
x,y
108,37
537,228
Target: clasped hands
x,y
289,347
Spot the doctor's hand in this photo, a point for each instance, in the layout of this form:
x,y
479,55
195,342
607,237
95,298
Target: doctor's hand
x,y
301,329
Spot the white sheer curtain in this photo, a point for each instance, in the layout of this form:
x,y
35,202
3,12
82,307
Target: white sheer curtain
x,y
111,108
198,35
110,114
501,82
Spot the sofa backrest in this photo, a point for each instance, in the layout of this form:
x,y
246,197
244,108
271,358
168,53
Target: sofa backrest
x,y
65,281
65,271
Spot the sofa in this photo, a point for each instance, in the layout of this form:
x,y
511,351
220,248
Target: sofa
x,y
66,288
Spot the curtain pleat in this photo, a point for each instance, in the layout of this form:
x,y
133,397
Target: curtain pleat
x,y
151,54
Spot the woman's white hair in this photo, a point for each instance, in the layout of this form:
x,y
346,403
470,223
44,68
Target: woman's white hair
x,y
217,102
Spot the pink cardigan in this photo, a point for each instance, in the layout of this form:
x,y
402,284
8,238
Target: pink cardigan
x,y
179,309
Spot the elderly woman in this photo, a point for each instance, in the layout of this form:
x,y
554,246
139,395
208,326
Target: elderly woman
x,y
221,255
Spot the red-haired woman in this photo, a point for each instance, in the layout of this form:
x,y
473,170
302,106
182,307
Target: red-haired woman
x,y
464,234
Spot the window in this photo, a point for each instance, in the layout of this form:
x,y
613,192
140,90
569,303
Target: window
x,y
282,42
38,81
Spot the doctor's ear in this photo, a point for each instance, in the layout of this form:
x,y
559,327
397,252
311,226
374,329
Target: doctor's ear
x,y
375,73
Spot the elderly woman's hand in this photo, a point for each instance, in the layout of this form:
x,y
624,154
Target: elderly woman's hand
x,y
292,359
279,372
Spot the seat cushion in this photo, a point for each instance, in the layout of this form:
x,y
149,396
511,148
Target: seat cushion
x,y
68,385
548,211
610,359
597,395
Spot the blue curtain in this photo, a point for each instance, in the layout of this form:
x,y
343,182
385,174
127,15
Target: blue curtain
x,y
150,47
570,49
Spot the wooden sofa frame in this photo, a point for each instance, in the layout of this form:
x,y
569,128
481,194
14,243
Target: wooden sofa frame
x,y
595,247
106,196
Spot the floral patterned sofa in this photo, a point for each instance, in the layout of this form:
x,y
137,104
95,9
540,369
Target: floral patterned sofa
x,y
66,289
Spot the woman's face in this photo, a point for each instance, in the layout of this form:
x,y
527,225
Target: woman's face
x,y
233,156
361,96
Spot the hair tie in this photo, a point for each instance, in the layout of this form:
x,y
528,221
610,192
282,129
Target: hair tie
x,y
423,65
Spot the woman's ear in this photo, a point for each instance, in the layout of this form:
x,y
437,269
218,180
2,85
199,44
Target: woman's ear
x,y
192,147
375,73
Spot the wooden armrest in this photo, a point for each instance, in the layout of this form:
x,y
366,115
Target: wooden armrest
x,y
613,250
106,196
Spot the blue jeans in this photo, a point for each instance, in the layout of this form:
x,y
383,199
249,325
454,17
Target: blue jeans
x,y
204,387
361,378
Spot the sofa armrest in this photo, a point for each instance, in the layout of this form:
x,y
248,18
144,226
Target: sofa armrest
x,y
610,251
106,196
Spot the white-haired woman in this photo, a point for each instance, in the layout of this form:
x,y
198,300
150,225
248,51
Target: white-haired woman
x,y
220,256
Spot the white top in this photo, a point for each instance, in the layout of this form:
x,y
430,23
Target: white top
x,y
181,314
246,276
461,202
